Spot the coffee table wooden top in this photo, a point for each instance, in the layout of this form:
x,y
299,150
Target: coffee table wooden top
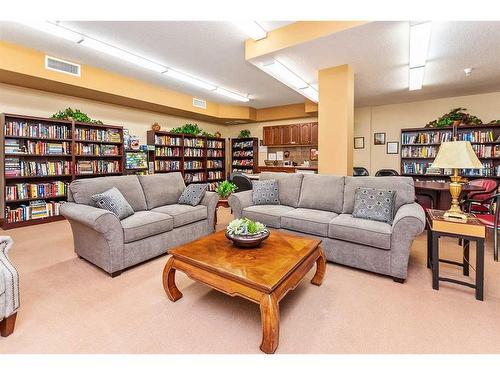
x,y
262,268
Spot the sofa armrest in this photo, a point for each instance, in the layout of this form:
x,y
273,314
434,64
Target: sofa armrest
x,y
239,201
210,201
408,223
96,218
9,280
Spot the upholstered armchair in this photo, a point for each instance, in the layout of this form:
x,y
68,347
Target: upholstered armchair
x,y
9,289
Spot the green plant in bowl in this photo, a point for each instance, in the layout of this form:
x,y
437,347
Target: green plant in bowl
x,y
245,227
225,189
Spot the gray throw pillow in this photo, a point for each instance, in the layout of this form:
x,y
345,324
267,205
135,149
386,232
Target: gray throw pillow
x,y
114,201
374,204
193,194
265,192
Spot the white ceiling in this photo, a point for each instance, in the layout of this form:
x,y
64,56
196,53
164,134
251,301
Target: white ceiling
x,y
214,51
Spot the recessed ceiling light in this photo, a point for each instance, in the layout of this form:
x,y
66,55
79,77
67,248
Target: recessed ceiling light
x,y
230,94
189,79
467,71
252,29
311,93
420,35
416,78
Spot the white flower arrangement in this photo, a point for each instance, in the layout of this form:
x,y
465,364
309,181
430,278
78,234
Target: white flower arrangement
x,y
245,227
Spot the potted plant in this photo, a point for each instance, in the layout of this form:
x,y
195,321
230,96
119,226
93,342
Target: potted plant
x,y
225,189
76,115
455,117
246,233
245,133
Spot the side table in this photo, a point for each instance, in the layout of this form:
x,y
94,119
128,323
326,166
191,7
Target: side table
x,y
220,203
473,230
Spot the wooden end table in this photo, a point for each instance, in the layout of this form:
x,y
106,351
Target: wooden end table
x,y
473,230
263,275
220,203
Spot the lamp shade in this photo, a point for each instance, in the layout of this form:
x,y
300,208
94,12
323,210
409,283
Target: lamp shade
x,y
456,154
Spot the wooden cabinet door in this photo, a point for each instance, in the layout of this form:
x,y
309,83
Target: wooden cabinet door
x,y
294,134
287,135
267,136
305,134
277,135
314,133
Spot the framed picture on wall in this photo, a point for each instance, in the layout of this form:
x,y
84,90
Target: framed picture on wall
x,y
359,143
393,147
313,154
379,139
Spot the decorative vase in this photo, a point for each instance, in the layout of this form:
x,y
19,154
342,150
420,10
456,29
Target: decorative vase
x,y
248,241
156,127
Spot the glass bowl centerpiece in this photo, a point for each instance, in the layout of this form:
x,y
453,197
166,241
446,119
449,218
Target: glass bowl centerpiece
x,y
246,233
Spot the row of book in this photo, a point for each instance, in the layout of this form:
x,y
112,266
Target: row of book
x,y
38,130
215,175
193,164
212,186
168,151
97,166
419,151
215,153
214,144
167,140
422,168
194,142
102,135
17,146
243,144
427,137
477,136
242,162
215,164
15,167
240,153
197,152
96,149
167,165
487,151
194,177
34,210
247,171
30,191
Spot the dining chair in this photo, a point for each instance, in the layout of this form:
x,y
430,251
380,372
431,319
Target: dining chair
x,y
242,182
386,172
490,221
480,201
359,171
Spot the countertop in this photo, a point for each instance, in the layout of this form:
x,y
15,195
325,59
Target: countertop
x,y
290,167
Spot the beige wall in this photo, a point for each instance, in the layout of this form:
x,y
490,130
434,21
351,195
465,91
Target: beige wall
x,y
392,118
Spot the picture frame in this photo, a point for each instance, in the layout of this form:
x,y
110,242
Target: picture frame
x,y
392,148
313,154
359,143
379,139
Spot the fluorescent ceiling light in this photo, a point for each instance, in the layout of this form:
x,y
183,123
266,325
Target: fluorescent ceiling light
x,y
311,93
230,94
420,36
189,79
285,75
252,29
416,78
122,54
54,29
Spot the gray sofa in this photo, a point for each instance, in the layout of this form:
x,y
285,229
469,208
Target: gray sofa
x,y
158,224
9,289
321,206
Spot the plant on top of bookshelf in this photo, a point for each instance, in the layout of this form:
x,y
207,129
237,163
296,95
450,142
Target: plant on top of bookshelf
x,y
190,129
245,133
225,189
456,116
76,114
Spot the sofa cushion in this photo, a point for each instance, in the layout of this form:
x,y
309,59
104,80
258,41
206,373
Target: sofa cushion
x,y
307,220
162,188
265,192
193,194
322,192
269,215
113,201
403,186
183,214
144,224
374,204
361,231
288,184
83,189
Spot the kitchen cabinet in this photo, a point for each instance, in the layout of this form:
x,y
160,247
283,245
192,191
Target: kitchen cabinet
x,y
277,135
267,136
305,134
291,135
314,133
294,134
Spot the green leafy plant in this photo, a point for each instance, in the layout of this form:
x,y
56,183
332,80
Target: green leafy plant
x,y
245,133
191,129
226,188
245,227
77,115
457,114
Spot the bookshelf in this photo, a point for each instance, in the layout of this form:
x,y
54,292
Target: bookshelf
x,y
42,156
199,159
245,155
419,147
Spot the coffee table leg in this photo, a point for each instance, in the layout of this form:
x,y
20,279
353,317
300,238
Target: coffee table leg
x,y
270,316
320,269
169,281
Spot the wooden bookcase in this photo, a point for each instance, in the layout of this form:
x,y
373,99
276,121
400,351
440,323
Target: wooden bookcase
x,y
245,155
50,143
419,147
199,159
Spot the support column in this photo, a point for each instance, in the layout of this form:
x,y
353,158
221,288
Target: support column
x,y
336,120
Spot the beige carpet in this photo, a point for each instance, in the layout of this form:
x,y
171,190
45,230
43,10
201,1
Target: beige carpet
x,y
70,306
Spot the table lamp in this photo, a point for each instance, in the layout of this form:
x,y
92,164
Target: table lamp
x,y
456,154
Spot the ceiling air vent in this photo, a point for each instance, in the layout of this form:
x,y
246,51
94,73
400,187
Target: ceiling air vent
x,y
235,122
199,103
61,66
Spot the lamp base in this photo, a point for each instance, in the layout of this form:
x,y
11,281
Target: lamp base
x,y
455,216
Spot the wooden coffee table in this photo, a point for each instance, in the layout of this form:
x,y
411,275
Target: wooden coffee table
x,y
263,275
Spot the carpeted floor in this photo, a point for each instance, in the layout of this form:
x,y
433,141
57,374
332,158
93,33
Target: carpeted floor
x,y
70,306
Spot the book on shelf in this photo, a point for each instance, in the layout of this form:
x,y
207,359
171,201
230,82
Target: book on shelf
x,y
194,152
194,142
101,135
167,165
242,144
215,144
215,164
38,209
194,177
37,130
168,140
168,151
17,167
98,167
29,191
193,164
96,149
211,153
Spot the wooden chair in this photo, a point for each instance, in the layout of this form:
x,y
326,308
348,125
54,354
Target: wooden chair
x,y
490,220
359,171
479,201
386,172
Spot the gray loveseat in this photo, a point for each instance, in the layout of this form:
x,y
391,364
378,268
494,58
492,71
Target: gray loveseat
x,y
322,205
158,224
